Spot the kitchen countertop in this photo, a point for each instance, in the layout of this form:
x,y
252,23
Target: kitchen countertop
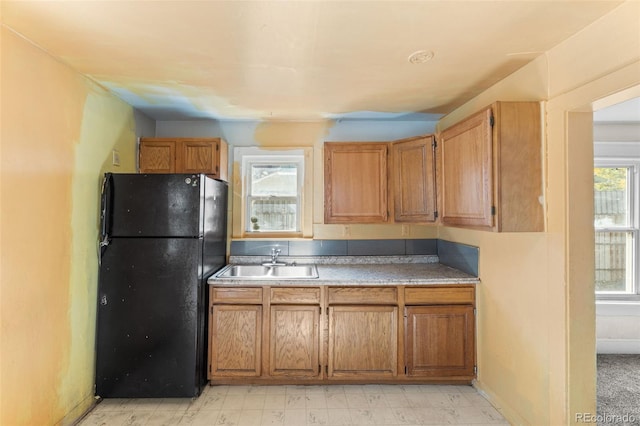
x,y
359,271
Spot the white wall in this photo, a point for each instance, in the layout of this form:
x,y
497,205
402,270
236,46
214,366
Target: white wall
x,y
617,327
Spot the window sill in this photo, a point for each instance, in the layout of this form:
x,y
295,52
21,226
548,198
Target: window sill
x,y
272,235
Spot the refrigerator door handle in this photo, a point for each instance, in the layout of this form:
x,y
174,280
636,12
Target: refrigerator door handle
x,y
105,213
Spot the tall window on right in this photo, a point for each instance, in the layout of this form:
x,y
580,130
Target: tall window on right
x,y
616,208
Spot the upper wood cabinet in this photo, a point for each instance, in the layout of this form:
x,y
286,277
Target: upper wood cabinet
x,y
184,155
355,182
414,179
491,172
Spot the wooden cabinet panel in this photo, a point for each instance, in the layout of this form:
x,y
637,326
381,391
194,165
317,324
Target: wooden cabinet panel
x,y
243,295
362,295
440,341
295,295
198,157
439,295
414,179
184,155
518,136
355,182
491,173
363,341
235,341
294,341
157,156
467,159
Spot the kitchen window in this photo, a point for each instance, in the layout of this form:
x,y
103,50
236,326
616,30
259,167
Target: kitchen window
x,y
616,209
272,192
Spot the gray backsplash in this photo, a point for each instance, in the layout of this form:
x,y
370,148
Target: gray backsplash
x,y
459,256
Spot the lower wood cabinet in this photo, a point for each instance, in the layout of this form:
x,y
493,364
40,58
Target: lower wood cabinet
x,y
363,341
440,341
345,334
294,341
235,341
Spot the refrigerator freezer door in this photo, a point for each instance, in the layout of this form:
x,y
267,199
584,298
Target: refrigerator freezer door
x,y
154,205
150,330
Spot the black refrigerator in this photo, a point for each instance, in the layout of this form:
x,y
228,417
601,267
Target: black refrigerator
x,y
162,236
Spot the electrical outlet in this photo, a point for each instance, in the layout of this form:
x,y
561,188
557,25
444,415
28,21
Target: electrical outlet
x,y
115,158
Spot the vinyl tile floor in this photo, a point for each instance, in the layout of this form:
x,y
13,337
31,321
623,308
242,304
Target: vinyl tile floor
x,y
305,405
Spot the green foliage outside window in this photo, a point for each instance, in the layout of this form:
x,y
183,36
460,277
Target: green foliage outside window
x,y
610,178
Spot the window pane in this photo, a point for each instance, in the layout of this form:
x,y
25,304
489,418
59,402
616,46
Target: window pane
x,y
274,179
614,251
273,214
611,204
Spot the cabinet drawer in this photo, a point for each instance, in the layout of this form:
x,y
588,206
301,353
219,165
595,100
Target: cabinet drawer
x,y
250,295
363,295
439,295
297,295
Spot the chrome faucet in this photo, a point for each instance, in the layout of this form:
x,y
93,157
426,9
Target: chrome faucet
x,y
275,252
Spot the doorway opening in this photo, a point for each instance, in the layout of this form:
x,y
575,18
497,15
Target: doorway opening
x,y
616,131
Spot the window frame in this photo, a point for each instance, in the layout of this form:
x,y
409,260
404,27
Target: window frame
x,y
632,226
244,155
248,161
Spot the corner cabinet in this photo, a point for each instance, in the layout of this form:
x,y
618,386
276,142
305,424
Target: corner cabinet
x,y
355,182
184,155
440,332
491,169
414,179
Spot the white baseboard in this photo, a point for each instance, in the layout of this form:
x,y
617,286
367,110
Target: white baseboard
x,y
618,346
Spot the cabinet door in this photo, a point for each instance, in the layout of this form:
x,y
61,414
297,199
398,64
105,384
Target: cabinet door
x,y
294,341
235,345
157,156
363,341
355,182
440,341
198,156
414,180
467,172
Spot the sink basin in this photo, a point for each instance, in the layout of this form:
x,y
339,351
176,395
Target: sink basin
x,y
260,272
246,271
306,271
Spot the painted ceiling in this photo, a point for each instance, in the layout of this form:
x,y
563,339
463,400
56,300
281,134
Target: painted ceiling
x,y
298,60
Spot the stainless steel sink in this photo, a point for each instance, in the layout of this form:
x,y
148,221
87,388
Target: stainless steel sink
x,y
300,271
261,272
